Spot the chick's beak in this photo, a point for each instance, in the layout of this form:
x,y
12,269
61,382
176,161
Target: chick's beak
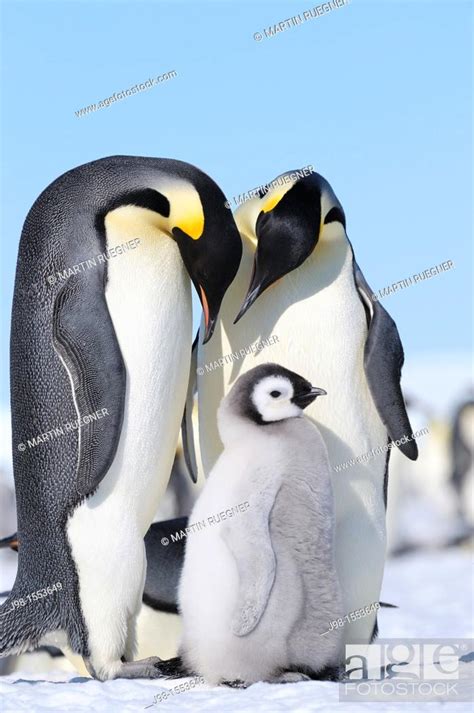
x,y
304,399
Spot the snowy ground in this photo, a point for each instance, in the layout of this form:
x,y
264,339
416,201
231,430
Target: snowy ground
x,y
432,590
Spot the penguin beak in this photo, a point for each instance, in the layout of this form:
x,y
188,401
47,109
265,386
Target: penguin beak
x,y
212,260
209,331
306,398
209,322
257,286
286,236
11,542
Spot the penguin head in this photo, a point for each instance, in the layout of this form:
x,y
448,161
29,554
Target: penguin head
x,y
190,208
270,393
211,249
288,220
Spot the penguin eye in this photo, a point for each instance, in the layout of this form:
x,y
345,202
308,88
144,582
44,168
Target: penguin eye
x,y
275,394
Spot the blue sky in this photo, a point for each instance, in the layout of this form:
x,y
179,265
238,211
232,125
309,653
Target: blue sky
x,y
375,95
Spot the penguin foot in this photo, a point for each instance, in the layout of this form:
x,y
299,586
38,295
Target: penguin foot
x,y
174,668
235,684
145,668
289,677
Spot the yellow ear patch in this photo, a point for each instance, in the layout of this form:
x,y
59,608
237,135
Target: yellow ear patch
x,y
186,211
192,225
275,195
273,201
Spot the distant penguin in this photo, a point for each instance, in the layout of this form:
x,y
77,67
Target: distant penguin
x,y
100,352
421,507
311,310
462,457
259,587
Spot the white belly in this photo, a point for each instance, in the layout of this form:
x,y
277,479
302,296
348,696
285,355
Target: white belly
x,y
149,299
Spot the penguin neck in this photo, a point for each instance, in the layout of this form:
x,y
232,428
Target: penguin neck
x,y
232,427
249,242
130,221
331,254
246,219
329,266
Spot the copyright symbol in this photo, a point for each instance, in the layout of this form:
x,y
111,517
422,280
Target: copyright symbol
x,y
258,37
51,279
165,541
227,204
200,370
21,447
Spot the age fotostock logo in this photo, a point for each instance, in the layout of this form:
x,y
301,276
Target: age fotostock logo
x,y
408,670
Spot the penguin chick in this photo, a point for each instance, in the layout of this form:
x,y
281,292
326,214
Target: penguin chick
x,y
259,586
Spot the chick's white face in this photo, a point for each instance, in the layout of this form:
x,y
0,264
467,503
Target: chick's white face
x,y
272,398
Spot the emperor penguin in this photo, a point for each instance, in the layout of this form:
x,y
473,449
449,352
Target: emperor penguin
x,y
462,458
100,349
259,587
299,282
421,486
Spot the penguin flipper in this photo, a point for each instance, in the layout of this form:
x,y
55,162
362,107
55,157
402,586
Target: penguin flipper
x,y
187,430
383,361
85,339
256,566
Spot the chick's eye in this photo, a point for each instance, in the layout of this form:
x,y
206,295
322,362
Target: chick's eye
x,y
275,394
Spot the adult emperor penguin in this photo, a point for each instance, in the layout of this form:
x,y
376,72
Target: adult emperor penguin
x,y
307,290
100,351
462,458
259,588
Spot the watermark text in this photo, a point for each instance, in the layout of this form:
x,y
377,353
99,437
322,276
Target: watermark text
x,y
118,96
236,356
99,259
379,450
33,597
206,522
413,280
352,616
402,670
180,688
299,19
63,429
260,191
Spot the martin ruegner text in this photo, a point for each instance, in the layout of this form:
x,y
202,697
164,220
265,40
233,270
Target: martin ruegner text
x,y
211,520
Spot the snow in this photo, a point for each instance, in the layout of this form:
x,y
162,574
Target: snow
x,y
429,587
